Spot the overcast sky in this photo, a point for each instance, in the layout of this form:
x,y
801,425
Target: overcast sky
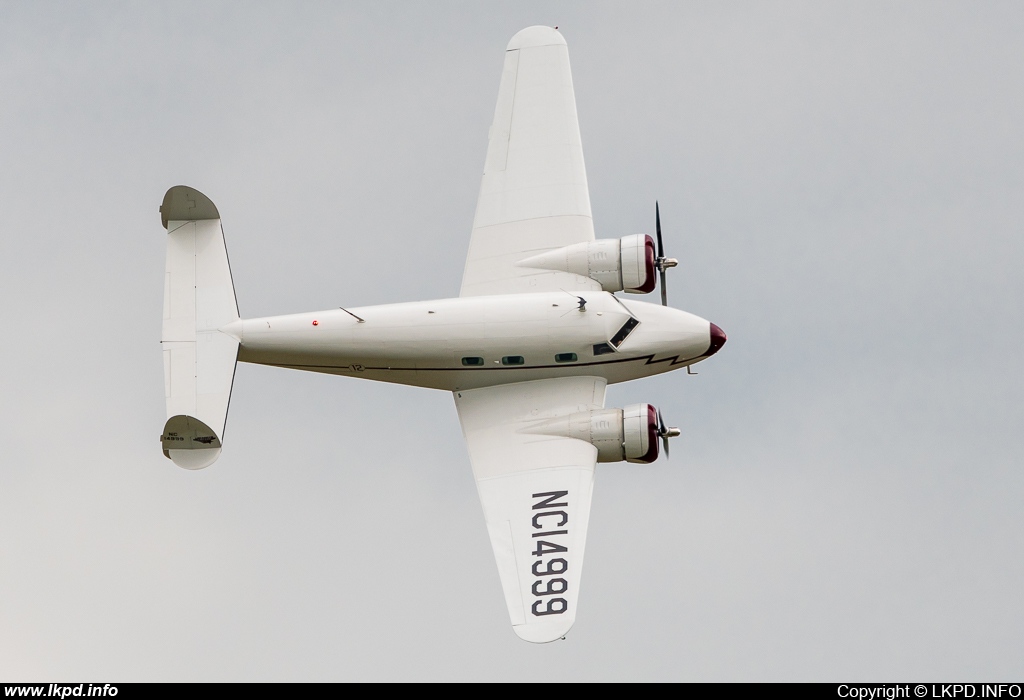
x,y
842,182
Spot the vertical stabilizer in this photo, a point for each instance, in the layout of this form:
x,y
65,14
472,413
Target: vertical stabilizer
x,y
199,313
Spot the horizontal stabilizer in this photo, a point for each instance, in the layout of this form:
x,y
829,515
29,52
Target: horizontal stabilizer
x,y
190,442
200,349
183,203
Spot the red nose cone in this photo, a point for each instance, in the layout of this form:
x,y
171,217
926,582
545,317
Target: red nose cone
x,y
717,340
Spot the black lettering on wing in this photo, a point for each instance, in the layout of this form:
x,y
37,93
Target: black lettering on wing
x,y
548,582
551,496
536,518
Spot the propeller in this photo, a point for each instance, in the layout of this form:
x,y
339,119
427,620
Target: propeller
x,y
666,433
662,263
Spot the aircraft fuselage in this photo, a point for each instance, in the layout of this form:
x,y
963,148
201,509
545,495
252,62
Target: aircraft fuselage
x,y
472,342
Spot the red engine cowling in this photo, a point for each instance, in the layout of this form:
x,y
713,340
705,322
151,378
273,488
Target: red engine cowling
x,y
636,254
626,263
640,433
627,434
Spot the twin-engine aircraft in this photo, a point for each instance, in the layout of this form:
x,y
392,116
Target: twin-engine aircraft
x,y
527,348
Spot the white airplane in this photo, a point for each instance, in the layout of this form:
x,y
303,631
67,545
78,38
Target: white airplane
x,y
527,349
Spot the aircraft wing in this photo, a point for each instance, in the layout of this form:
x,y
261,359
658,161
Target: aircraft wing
x,y
535,489
534,196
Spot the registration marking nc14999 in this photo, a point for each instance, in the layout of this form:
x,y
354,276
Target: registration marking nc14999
x,y
550,520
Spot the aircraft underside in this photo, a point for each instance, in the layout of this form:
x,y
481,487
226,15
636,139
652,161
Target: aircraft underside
x,y
527,349
454,344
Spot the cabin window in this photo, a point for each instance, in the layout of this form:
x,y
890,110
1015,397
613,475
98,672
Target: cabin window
x,y
566,357
626,329
473,361
603,349
513,360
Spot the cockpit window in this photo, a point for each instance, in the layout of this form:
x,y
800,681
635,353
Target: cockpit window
x,y
624,332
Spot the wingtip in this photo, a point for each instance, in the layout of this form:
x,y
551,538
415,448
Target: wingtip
x,y
183,203
536,36
194,459
190,443
543,632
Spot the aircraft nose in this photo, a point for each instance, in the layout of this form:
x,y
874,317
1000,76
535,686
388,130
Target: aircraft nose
x,y
717,340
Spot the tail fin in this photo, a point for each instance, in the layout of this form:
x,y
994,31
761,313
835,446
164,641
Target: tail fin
x,y
200,312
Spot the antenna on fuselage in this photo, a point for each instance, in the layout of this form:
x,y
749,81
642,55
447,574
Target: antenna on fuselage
x,y
580,300
352,314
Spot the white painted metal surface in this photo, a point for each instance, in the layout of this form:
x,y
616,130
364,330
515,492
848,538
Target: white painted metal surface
x,y
527,349
616,264
535,490
424,343
533,196
199,300
619,434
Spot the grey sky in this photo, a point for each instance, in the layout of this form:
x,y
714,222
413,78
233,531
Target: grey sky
x,y
842,182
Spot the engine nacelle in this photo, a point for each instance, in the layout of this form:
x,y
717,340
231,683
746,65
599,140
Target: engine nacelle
x,y
620,434
620,264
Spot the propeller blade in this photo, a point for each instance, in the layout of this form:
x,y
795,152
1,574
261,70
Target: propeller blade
x,y
662,262
665,433
657,227
662,433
